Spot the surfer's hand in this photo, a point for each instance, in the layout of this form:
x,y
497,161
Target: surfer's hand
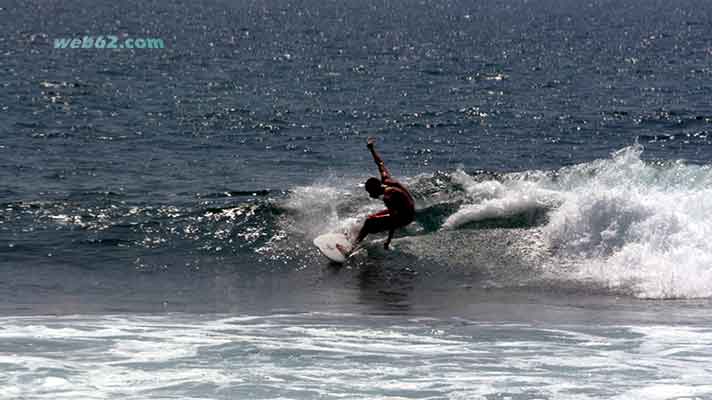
x,y
371,141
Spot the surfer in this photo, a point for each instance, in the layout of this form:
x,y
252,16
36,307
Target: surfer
x,y
400,207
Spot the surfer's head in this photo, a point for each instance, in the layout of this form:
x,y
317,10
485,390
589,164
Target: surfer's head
x,y
374,187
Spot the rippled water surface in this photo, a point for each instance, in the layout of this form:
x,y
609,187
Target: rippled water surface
x,y
158,206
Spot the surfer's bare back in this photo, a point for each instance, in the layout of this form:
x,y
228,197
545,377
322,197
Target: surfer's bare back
x,y
400,207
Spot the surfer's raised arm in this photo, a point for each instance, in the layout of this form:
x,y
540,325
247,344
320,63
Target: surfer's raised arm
x,y
381,166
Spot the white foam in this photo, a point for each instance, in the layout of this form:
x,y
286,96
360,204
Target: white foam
x,y
307,355
667,391
631,225
494,199
493,208
621,222
478,190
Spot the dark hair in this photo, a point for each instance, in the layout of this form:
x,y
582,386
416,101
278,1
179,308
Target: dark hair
x,y
373,185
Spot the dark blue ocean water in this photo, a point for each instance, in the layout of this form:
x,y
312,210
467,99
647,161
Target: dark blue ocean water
x,y
560,154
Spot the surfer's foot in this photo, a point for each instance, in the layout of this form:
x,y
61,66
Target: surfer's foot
x,y
341,249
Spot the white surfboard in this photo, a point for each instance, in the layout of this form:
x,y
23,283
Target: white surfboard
x,y
327,246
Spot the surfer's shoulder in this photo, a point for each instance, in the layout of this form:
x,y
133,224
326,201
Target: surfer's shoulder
x,y
394,190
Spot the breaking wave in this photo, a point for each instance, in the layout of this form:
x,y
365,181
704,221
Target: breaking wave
x,y
624,224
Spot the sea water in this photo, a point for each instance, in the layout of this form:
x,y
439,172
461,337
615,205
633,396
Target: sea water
x,y
157,206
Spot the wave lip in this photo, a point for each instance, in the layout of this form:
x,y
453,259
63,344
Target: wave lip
x,y
494,199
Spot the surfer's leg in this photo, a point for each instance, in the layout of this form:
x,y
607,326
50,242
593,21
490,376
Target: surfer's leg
x,y
380,213
379,222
